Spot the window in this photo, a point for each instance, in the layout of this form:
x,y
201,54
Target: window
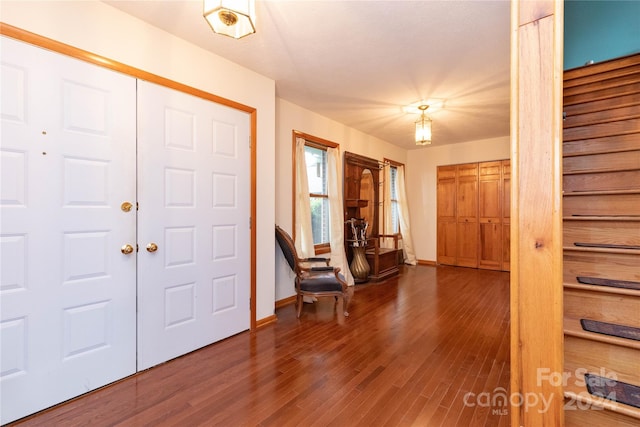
x,y
316,159
318,179
395,223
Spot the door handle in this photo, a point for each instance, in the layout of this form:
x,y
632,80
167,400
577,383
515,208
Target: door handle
x,y
152,247
126,249
126,206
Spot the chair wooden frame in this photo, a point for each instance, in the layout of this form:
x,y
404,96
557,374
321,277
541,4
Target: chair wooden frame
x,y
314,276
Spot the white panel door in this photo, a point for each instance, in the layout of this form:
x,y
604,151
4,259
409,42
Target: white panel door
x,y
67,292
194,195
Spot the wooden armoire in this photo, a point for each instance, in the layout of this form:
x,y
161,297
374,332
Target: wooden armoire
x,y
473,215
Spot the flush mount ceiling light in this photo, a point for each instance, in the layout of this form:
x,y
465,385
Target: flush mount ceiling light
x,y
433,103
233,18
423,127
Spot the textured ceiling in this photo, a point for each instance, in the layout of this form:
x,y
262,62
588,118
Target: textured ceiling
x,y
359,62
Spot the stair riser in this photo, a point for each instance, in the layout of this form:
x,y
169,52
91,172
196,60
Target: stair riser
x,y
602,181
612,308
602,94
610,115
602,130
609,232
607,162
594,417
600,358
602,204
592,79
607,144
605,265
627,100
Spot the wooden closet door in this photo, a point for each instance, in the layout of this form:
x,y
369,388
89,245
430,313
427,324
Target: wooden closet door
x,y
467,215
446,215
490,215
506,215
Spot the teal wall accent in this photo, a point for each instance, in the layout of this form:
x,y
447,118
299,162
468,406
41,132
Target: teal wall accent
x,y
597,30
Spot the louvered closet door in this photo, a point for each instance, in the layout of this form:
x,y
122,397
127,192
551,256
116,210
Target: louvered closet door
x,y
67,292
193,189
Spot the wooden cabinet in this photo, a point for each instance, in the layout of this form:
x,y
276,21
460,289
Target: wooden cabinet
x,y
473,215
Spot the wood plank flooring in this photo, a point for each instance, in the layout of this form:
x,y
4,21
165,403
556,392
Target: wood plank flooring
x,y
427,348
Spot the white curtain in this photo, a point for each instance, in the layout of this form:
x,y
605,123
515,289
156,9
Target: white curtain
x,y
336,220
386,203
302,221
403,216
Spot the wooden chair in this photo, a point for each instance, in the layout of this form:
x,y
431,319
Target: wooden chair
x,y
313,280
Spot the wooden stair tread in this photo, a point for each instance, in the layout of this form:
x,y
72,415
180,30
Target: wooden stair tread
x,y
606,246
601,169
616,330
602,218
601,250
600,193
602,289
585,397
608,283
573,328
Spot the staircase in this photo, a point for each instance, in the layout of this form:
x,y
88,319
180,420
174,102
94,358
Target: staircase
x,y
601,240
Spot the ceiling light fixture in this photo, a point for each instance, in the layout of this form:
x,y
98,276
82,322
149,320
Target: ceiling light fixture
x,y
423,127
233,18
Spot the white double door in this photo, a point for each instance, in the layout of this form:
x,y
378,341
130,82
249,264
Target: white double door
x,y
77,143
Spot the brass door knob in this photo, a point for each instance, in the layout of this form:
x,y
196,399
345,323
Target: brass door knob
x,y
152,247
126,206
126,249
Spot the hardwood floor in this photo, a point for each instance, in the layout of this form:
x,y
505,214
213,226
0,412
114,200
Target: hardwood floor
x,y
410,353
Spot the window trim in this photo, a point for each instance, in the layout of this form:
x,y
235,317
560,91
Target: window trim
x,y
321,144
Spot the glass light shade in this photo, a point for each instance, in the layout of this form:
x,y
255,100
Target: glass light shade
x,y
423,130
233,18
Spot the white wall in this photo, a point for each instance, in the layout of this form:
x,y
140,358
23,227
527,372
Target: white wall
x,y
421,184
103,30
292,117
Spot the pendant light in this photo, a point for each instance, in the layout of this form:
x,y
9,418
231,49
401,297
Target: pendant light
x,y
423,127
233,18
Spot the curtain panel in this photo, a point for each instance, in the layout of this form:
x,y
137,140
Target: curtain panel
x,y
334,183
302,221
403,217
